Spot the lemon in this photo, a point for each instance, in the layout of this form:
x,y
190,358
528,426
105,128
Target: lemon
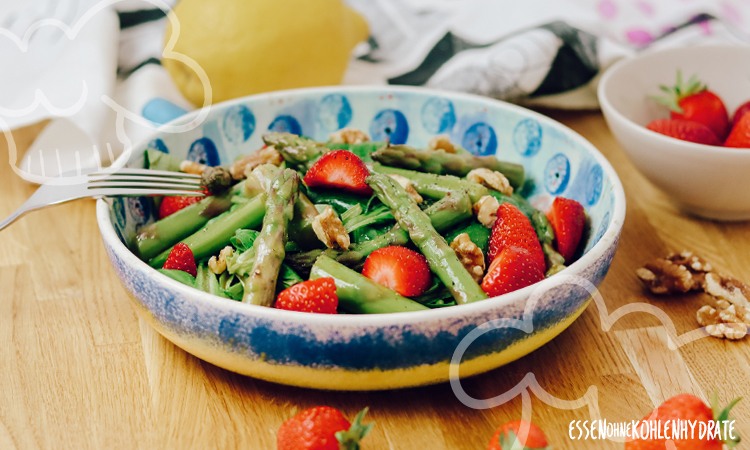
x,y
251,46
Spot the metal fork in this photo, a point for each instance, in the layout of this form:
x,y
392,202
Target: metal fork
x,y
122,183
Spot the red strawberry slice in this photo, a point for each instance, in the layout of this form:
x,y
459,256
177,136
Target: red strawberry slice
x,y
568,218
339,169
313,296
512,227
170,205
741,111
693,101
684,130
513,269
403,270
181,258
740,135
322,428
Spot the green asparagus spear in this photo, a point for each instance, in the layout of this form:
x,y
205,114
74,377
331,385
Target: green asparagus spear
x,y
440,257
445,213
216,236
441,162
435,186
304,210
358,294
260,286
300,153
154,238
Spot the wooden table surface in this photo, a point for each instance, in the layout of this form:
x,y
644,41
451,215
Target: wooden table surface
x,y
80,370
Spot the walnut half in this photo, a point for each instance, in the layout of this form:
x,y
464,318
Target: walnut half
x,y
486,210
349,135
330,230
491,179
241,168
218,266
662,276
442,142
727,288
470,256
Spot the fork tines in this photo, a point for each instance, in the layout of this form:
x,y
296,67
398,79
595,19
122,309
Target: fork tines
x,y
128,182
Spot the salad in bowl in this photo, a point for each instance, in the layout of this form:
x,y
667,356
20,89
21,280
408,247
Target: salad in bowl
x,y
360,257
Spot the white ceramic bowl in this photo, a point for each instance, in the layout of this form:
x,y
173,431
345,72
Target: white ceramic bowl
x,y
708,181
364,352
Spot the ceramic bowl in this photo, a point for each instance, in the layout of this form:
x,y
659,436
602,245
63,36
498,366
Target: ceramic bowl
x,y
703,180
369,352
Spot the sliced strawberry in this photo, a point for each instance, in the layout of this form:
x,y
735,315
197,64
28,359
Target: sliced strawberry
x,y
170,205
313,296
514,268
339,169
741,111
181,258
403,270
568,218
684,130
740,135
512,227
693,101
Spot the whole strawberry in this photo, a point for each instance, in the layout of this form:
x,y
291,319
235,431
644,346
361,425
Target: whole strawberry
x,y
740,135
685,407
684,130
507,435
315,296
512,227
181,258
170,205
693,101
568,218
322,428
741,111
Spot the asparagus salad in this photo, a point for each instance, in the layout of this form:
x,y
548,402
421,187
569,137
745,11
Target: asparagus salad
x,y
358,227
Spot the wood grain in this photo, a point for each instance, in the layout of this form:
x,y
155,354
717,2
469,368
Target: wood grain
x,y
80,370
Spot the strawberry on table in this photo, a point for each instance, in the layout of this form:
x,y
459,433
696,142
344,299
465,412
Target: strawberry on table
x,y
181,258
170,205
314,296
403,270
322,428
693,101
740,135
514,268
339,169
684,130
685,407
568,218
507,435
512,227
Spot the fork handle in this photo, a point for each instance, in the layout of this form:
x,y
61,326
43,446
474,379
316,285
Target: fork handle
x,y
12,218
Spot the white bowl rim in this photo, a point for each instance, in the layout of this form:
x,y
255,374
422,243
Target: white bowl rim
x,y
400,318
690,146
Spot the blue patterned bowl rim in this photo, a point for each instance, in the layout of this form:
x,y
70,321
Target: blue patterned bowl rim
x,y
587,259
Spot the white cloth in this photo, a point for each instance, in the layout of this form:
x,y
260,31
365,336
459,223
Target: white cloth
x,y
72,60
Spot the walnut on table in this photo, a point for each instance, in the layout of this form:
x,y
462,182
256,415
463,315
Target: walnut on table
x,y
491,179
408,187
678,272
349,135
470,255
486,210
725,321
728,289
442,142
330,230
